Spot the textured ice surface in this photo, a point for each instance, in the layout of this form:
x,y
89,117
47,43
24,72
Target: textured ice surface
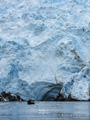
x,y
79,85
44,40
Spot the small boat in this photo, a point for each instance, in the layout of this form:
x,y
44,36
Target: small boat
x,y
30,102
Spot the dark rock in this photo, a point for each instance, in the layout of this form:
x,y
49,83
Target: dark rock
x,y
9,97
71,99
61,97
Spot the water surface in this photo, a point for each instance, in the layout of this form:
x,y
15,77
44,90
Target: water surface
x,y
45,111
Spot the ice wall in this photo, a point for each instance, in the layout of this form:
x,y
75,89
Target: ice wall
x,y
44,40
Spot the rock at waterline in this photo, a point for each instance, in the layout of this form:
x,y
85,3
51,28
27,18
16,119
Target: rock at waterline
x,y
61,97
10,97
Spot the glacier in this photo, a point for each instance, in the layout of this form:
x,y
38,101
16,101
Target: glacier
x,y
44,44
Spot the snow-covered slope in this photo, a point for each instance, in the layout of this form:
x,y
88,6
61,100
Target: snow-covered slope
x,y
45,41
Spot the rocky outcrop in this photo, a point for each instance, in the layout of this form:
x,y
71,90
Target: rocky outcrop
x,y
61,97
9,97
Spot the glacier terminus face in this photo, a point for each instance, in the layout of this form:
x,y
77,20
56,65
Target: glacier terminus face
x,y
44,43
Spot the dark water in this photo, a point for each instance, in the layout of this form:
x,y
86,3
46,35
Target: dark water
x,y
45,111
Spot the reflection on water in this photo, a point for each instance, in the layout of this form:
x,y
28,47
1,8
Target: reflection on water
x,y
45,111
